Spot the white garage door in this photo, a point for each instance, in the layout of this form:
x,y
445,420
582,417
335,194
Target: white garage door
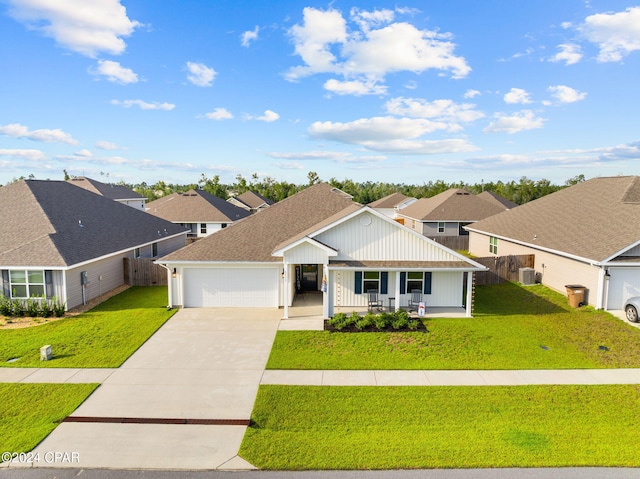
x,y
231,287
623,283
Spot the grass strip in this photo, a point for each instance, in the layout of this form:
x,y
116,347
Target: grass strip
x,y
30,412
305,427
513,327
103,337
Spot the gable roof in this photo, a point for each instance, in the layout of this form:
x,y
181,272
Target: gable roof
x,y
195,206
256,237
55,224
452,205
253,200
113,192
595,220
390,201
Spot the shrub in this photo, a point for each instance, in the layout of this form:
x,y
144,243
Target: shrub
x,y
383,320
57,307
45,309
339,321
5,306
32,307
365,321
400,319
17,308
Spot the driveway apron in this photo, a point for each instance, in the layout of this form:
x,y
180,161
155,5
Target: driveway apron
x,y
177,402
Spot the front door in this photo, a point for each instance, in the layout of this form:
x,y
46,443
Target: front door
x,y
309,277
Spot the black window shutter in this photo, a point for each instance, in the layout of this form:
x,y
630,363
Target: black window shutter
x,y
48,280
384,280
6,290
427,282
403,282
358,286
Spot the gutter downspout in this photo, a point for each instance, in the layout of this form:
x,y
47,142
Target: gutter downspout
x,y
169,285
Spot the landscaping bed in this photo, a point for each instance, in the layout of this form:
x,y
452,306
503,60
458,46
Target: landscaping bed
x,y
371,322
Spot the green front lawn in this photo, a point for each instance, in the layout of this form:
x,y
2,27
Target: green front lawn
x,y
103,337
513,327
30,412
296,427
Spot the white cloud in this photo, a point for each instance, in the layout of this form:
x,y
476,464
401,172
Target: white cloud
x,y
569,53
523,120
268,116
219,114
565,94
143,104
114,72
85,27
517,95
335,156
30,155
355,87
616,34
443,110
84,152
106,145
471,93
372,50
200,74
250,35
369,19
390,135
16,130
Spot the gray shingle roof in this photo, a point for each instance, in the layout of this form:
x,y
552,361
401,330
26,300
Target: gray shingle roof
x,y
256,237
53,223
594,220
113,192
195,206
492,197
452,205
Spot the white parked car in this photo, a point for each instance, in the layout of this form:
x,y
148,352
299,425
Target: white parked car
x,y
632,308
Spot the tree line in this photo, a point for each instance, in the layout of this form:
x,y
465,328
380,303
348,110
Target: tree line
x,y
520,192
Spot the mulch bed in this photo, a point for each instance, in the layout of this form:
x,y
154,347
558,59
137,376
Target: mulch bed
x,y
372,329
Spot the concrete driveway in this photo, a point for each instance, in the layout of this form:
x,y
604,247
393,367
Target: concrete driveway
x,y
202,368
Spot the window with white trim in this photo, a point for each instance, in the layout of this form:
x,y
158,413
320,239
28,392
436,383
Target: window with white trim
x,y
440,226
415,280
493,245
203,228
371,280
27,284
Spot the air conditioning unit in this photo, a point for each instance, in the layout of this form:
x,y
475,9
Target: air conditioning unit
x,y
527,276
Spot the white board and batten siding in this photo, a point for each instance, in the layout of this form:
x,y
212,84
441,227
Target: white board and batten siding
x,y
366,237
231,286
306,253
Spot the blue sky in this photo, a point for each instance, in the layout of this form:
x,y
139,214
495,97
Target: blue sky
x,y
142,90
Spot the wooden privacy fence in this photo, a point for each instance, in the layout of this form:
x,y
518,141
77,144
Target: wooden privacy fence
x,y
503,268
456,243
143,272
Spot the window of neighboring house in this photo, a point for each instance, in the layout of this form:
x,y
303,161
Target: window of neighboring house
x,y
493,245
136,253
27,284
223,225
203,228
154,249
440,226
370,280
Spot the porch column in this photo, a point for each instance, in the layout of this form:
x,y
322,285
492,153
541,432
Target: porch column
x,y
285,286
469,293
397,292
327,296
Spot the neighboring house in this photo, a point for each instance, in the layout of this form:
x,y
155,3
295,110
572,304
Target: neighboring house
x,y
447,213
250,201
201,213
391,204
317,239
586,235
61,241
118,193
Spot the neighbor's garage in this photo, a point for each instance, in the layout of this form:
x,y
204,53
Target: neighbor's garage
x,y
623,284
231,287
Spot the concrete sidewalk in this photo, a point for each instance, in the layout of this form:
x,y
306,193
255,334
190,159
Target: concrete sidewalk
x,y
450,378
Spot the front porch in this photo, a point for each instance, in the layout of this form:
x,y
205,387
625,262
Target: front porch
x,y
308,305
